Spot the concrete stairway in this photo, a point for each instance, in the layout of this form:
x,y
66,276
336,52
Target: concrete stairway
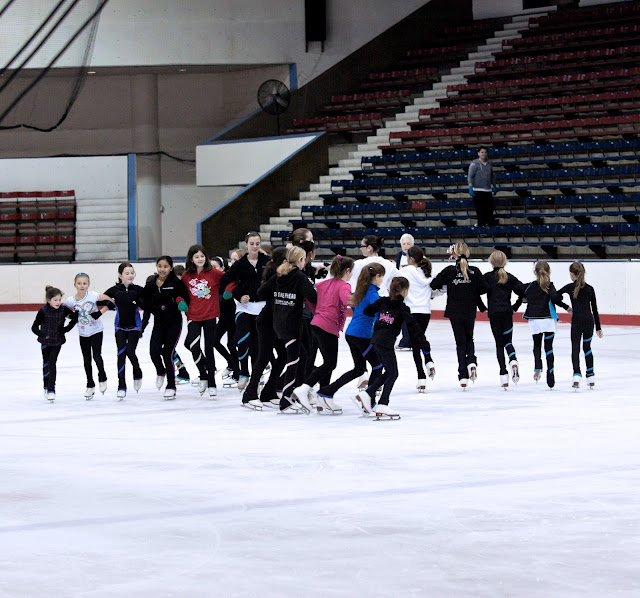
x,y
101,229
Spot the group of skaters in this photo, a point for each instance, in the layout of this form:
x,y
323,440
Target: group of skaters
x,y
282,315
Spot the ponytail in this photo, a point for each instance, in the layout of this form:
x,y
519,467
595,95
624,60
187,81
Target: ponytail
x,y
498,260
367,274
543,274
294,254
577,269
50,292
340,265
461,253
398,284
422,262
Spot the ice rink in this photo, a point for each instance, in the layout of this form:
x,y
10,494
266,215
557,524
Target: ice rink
x,y
530,492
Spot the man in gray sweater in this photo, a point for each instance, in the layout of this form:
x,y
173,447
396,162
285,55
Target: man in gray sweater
x,y
480,180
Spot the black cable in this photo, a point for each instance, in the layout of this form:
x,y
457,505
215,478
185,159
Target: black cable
x,y
143,154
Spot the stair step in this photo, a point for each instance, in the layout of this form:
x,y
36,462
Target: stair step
x,y
290,213
350,163
300,203
490,47
367,153
101,256
98,247
321,187
377,139
481,56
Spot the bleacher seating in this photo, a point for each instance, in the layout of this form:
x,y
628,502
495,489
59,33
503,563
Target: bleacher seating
x,y
37,226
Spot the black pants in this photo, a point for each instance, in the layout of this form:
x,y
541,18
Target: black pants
x,y
422,320
463,333
126,343
246,340
266,343
502,328
290,371
227,325
405,340
92,345
484,206
389,375
164,339
584,333
308,350
362,352
205,362
548,349
49,360
328,346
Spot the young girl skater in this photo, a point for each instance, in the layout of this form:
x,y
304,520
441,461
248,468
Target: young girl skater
x,y
584,314
359,332
247,273
329,319
203,283
392,313
85,303
464,285
227,321
542,317
418,273
128,325
166,297
287,292
501,284
50,329
182,377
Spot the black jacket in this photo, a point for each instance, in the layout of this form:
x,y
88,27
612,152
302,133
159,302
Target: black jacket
x,y
163,301
247,277
49,324
463,295
286,294
128,301
539,303
499,295
391,315
584,306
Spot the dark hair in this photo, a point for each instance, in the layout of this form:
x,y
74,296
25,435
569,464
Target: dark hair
x,y
277,257
577,269
250,234
299,235
308,246
483,147
223,262
340,265
179,270
166,258
150,278
266,248
398,284
190,267
377,243
417,255
367,274
124,265
51,292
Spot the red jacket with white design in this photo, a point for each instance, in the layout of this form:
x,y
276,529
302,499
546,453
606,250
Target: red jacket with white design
x,y
203,291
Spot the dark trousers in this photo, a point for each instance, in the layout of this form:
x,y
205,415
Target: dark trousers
x,y
266,343
502,328
246,341
548,349
227,325
584,333
463,334
389,374
164,339
362,352
405,340
126,343
205,362
485,208
49,360
308,350
92,345
328,346
422,320
290,371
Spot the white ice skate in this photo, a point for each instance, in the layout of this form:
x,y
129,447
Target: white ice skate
x,y
313,397
422,385
591,381
51,396
202,386
293,408
431,370
159,382
213,392
504,381
576,382
137,384
88,394
363,382
473,372
363,401
326,406
103,386
464,382
121,394
226,373
242,382
169,394
385,412
515,372
254,405
301,395
46,393
537,374
273,403
195,381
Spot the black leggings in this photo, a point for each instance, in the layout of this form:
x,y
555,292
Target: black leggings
x,y
328,345
423,322
362,352
246,340
388,377
548,348
88,345
227,325
292,353
584,333
463,333
164,339
205,363
49,360
126,342
267,341
502,328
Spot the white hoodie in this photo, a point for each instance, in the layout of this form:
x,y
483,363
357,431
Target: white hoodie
x,y
419,298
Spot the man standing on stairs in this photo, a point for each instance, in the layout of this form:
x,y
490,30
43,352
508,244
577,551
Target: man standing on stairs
x,y
480,179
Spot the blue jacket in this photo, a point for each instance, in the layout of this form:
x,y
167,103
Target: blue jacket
x,y
361,325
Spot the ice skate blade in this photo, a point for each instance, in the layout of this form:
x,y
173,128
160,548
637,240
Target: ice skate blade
x,y
291,411
422,391
252,407
233,384
505,387
382,417
327,411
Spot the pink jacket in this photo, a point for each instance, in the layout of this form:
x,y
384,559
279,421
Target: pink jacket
x,y
331,310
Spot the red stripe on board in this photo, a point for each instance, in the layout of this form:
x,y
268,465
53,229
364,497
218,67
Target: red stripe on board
x,y
436,314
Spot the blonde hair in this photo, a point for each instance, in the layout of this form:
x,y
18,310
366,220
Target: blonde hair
x,y
498,259
577,269
461,252
294,254
543,274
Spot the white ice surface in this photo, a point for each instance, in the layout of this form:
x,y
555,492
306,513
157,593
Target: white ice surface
x,y
528,492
